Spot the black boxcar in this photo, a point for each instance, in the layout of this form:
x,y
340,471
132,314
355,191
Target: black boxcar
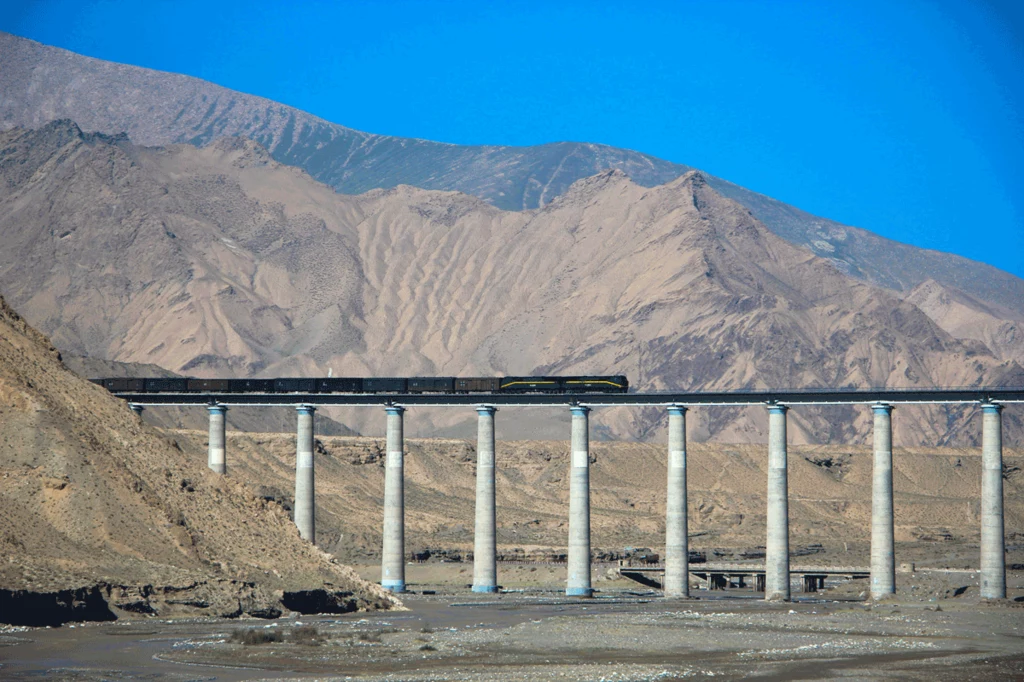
x,y
384,385
609,384
207,385
167,385
529,385
431,384
124,385
339,385
295,385
477,384
251,385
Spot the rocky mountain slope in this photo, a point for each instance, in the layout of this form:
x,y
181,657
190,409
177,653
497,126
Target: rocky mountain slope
x,y
219,260
102,516
40,83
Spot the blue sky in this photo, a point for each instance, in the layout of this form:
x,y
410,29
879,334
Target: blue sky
x,y
901,117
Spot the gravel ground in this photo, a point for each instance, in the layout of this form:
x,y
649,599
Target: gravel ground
x,y
539,635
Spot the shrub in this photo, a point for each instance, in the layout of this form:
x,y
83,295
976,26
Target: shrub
x,y
256,636
306,635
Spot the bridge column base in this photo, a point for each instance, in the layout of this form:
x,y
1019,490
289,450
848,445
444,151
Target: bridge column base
x,y
393,585
485,589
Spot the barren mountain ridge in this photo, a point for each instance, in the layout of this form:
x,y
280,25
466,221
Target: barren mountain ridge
x,y
219,260
39,84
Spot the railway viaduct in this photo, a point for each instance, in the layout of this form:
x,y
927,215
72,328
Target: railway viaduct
x,y
676,580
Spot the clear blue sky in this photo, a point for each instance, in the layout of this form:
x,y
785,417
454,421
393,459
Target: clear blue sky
x,y
901,117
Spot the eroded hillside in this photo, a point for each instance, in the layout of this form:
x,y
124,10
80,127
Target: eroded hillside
x,y
39,84
219,260
101,515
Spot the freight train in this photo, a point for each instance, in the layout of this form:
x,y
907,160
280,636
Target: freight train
x,y
588,384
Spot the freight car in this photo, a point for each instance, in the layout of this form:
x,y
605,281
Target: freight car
x,y
398,385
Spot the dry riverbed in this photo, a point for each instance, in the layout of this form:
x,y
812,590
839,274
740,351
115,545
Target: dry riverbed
x,y
537,634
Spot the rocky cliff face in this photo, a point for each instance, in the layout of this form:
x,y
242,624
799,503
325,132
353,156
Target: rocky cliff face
x,y
102,516
39,84
219,260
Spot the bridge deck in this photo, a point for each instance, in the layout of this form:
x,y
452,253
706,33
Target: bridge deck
x,y
790,397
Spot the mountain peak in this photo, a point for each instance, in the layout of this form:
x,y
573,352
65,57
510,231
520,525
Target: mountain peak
x,y
409,281
595,184
40,83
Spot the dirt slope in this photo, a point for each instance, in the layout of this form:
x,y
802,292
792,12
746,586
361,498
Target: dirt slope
x,y
95,501
221,261
965,317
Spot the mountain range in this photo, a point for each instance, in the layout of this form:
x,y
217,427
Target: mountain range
x,y
215,233
220,260
39,83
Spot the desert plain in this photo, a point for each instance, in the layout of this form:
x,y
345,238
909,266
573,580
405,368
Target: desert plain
x,y
936,628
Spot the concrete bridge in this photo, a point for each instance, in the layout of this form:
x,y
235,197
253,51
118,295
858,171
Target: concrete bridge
x,y
776,571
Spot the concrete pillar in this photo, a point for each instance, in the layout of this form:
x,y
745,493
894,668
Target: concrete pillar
x,y
485,567
677,549
776,560
993,553
216,459
578,584
136,408
883,558
305,486
392,572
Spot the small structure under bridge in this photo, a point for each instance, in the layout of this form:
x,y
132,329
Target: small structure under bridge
x,y
721,576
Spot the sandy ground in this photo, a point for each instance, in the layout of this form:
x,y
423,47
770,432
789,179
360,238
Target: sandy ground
x,y
533,632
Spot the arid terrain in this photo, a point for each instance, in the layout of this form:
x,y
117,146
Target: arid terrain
x,y
937,492
41,83
153,224
539,635
220,260
102,516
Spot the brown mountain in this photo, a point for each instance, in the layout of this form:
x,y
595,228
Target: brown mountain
x,y
101,515
220,260
39,84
